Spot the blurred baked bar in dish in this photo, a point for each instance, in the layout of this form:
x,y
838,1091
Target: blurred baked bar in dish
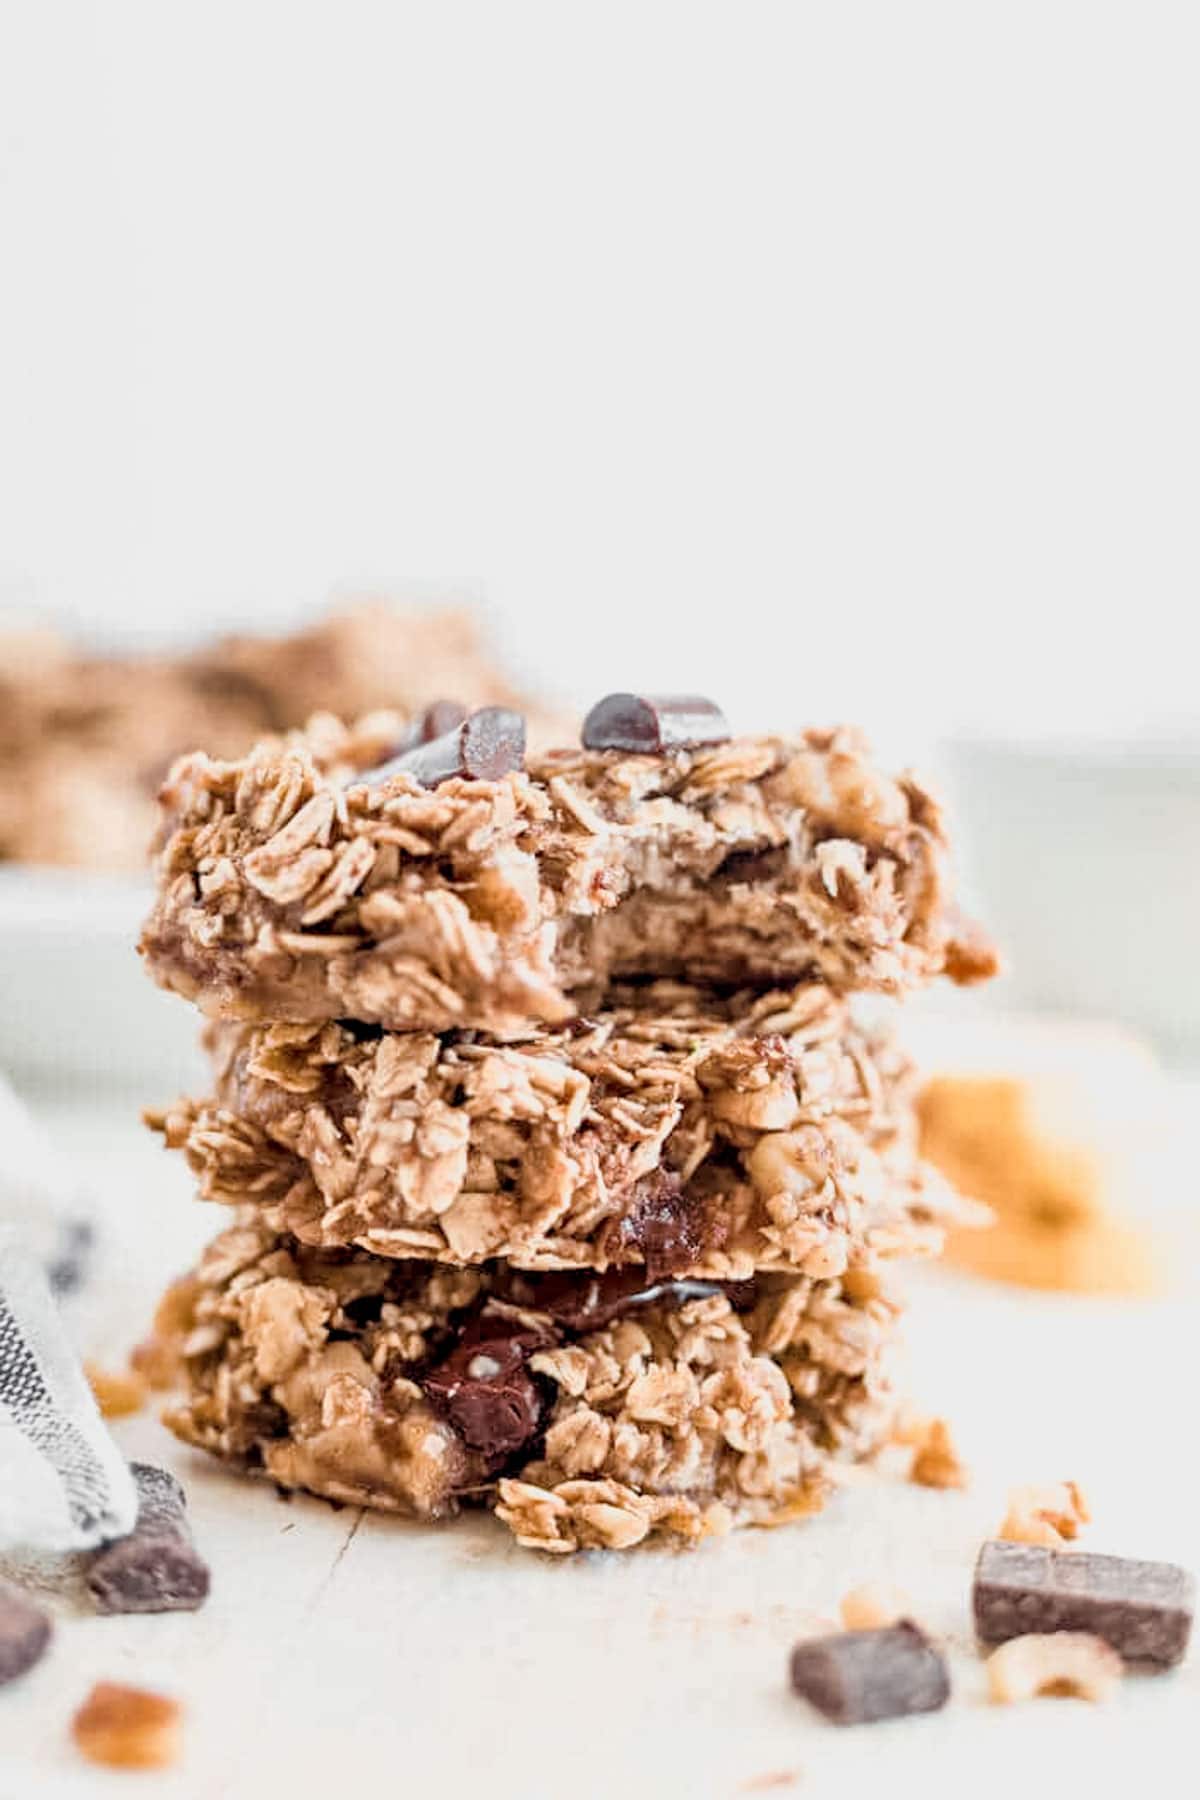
x,y
86,739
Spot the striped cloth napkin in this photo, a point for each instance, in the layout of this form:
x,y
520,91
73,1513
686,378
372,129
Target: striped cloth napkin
x,y
63,1484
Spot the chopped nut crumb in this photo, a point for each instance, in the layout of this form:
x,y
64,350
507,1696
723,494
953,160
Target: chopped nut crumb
x,y
1071,1663
1051,1514
874,1604
118,1392
936,1463
127,1727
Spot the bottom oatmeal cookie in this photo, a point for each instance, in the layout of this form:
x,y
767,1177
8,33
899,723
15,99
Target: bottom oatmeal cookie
x,y
587,1410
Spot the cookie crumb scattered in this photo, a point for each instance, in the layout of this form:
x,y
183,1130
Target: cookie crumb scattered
x,y
936,1462
118,1392
874,1604
128,1727
1052,1514
1070,1663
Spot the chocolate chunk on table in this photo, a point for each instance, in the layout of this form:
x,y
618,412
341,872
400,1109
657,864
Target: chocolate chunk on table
x,y
856,1677
157,1567
652,723
24,1633
483,746
1142,1609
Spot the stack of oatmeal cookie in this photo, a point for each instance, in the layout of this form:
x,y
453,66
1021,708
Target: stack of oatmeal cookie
x,y
565,1172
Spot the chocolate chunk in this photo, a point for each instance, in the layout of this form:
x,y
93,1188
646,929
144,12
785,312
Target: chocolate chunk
x,y
662,1225
156,1568
24,1634
653,723
1142,1609
438,719
856,1677
485,746
585,1302
485,1389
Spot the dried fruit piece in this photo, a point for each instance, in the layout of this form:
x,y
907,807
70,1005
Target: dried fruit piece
x,y
127,1727
1070,1663
118,1392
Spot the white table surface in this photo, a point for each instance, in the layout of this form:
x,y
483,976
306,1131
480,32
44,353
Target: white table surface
x,y
345,1653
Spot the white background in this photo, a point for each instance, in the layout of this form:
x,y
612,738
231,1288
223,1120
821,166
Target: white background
x,y
841,359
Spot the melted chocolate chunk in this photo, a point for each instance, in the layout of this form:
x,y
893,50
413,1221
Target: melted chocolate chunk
x,y
652,723
856,1677
485,1390
663,1226
582,1302
24,1634
1142,1609
157,1567
485,746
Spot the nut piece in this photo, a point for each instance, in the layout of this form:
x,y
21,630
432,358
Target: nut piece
x,y
127,1728
118,1392
936,1463
873,1605
1072,1663
1050,1515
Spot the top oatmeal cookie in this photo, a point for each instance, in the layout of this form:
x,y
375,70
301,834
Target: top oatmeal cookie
x,y
292,888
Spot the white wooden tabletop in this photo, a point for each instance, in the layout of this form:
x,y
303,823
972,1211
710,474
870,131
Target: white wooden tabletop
x,y
348,1654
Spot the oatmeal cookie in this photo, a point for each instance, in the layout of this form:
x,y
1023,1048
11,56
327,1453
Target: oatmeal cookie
x,y
674,1130
587,1410
289,890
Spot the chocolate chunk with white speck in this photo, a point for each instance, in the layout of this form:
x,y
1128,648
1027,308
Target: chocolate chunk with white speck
x,y
856,1677
157,1567
485,1390
1143,1610
653,723
24,1634
485,746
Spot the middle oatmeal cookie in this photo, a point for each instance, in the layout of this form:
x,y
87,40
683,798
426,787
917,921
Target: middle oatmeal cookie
x,y
675,1130
589,1411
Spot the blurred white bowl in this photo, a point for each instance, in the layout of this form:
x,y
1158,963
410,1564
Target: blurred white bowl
x,y
75,1002
1085,862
